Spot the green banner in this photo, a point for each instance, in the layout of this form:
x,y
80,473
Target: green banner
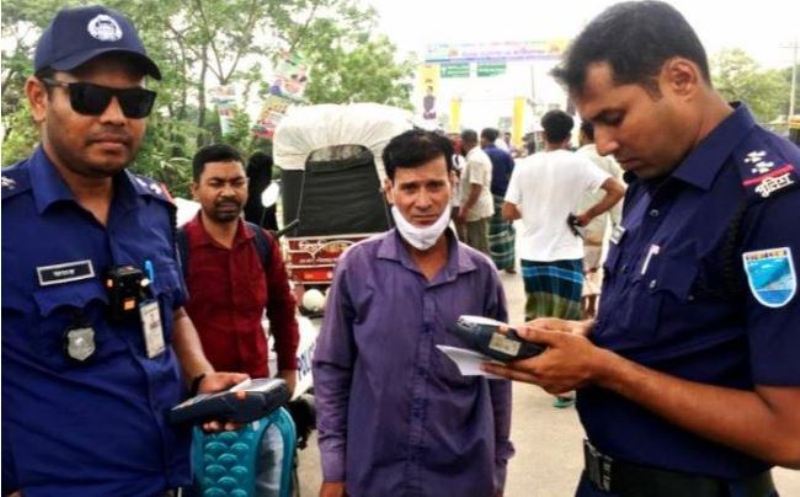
x,y
457,70
486,70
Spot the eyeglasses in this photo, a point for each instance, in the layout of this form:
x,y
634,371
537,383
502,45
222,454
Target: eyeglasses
x,y
92,100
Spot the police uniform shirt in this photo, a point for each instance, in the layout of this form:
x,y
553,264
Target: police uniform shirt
x,y
98,427
700,284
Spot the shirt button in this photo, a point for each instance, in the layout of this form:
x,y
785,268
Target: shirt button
x,y
654,212
624,268
653,284
691,298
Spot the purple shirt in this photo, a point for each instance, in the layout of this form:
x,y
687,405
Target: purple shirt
x,y
395,417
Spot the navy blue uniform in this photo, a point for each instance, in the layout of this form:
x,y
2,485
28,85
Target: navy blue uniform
x,y
700,285
96,428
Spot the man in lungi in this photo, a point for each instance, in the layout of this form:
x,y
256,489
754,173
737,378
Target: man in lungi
x,y
501,232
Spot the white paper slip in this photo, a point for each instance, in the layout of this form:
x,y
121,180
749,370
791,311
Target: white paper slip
x,y
468,361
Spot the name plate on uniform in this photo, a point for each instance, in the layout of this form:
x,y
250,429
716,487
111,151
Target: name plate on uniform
x,y
65,273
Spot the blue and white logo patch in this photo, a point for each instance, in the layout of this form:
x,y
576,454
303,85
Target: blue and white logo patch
x,y
771,276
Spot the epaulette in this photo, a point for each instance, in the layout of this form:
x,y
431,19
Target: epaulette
x,y
766,165
150,187
14,180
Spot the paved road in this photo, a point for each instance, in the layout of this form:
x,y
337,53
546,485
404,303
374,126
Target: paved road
x,y
548,440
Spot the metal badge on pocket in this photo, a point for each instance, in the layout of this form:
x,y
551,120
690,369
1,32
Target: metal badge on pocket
x,y
79,343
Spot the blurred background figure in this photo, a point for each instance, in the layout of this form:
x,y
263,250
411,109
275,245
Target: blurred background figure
x,y
259,175
595,232
501,232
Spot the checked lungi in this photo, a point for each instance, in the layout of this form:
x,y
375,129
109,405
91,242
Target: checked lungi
x,y
501,237
553,289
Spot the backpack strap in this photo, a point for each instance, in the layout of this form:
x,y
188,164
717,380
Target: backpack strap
x,y
263,243
182,246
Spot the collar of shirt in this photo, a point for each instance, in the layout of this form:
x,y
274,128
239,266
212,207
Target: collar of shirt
x,y
701,166
197,231
49,187
458,262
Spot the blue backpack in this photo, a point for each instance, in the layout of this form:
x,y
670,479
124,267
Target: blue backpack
x,y
226,464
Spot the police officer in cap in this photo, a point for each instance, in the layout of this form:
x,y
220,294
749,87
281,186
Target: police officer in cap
x,y
96,345
689,379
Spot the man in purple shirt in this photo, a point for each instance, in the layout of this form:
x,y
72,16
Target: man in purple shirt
x,y
395,417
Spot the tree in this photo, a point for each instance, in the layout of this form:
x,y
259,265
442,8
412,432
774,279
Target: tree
x,y
739,78
349,64
364,73
201,44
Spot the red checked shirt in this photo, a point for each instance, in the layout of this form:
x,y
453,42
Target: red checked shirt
x,y
228,292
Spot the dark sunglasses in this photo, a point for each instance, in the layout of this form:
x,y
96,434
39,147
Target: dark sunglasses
x,y
92,100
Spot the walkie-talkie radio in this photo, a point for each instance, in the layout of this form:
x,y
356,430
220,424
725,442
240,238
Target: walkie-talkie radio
x,y
483,335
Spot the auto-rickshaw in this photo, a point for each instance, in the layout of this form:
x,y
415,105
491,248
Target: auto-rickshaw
x,y
332,175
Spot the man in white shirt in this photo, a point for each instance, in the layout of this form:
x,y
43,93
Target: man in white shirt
x,y
595,231
544,190
477,205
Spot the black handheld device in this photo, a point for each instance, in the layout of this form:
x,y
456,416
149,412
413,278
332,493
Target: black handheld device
x,y
482,335
575,227
245,402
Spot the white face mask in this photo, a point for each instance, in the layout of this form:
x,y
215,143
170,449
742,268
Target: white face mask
x,y
421,238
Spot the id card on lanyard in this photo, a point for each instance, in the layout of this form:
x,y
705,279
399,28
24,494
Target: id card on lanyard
x,y
152,330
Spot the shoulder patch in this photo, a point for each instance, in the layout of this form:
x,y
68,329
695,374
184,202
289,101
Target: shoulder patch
x,y
771,275
13,181
766,168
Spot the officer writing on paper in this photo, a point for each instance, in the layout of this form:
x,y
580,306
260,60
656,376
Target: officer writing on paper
x,y
688,380
96,345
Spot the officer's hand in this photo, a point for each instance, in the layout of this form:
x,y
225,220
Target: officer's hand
x,y
569,362
15,494
219,381
332,489
216,382
290,377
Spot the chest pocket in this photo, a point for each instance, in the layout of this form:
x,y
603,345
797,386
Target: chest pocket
x,y
652,299
62,306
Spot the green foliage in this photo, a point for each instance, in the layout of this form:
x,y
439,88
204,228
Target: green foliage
x,y
364,72
166,153
739,78
203,44
21,135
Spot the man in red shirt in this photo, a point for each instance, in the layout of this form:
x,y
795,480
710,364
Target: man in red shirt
x,y
229,284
